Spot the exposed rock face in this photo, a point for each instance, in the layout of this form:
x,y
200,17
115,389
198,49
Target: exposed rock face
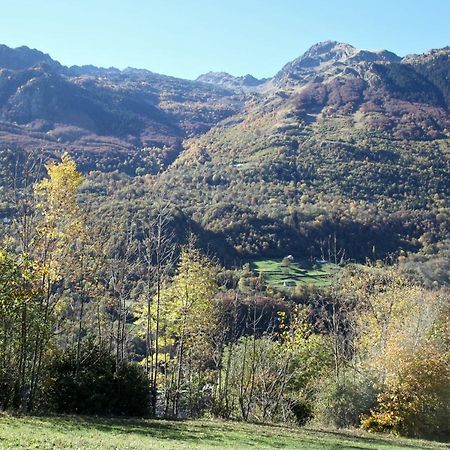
x,y
94,110
24,58
328,59
229,81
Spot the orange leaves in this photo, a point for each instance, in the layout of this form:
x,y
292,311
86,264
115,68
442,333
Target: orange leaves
x,y
416,401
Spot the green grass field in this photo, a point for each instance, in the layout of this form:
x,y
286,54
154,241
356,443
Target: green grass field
x,y
70,432
301,272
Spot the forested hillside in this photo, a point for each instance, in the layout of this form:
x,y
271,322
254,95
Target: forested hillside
x,y
340,142
110,119
138,213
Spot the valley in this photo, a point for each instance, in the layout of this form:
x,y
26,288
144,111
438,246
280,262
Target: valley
x,y
228,260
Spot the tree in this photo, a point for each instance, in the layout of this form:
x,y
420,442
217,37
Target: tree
x,y
60,225
272,376
393,317
401,338
157,251
21,325
188,320
416,399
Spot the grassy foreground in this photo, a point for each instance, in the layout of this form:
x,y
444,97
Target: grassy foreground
x,y
68,432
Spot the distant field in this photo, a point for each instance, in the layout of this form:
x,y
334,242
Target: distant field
x,y
301,272
93,433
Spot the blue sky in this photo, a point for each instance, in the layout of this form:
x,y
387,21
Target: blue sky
x,y
188,37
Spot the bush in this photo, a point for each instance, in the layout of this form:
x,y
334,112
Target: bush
x,y
95,387
343,404
302,411
416,401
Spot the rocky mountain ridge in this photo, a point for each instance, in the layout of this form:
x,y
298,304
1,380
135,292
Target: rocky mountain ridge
x,y
340,143
132,118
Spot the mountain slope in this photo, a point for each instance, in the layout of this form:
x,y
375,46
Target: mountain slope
x,y
343,143
102,112
246,83
342,150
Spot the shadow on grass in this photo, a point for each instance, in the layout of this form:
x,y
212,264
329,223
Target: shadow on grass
x,y
376,440
217,433
180,430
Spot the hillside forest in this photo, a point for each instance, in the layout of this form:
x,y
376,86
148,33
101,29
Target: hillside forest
x,y
119,318
259,250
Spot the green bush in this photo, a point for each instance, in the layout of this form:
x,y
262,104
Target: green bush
x,y
342,404
94,386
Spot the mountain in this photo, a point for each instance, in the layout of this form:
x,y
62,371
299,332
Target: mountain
x,y
341,142
24,58
327,59
229,81
105,116
342,150
108,113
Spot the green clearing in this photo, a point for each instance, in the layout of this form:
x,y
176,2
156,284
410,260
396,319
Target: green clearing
x,y
301,272
70,432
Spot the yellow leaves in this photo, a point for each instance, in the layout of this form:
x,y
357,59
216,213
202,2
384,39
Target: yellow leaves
x,y
62,221
57,195
393,316
296,335
380,422
187,305
63,182
400,339
418,395
47,271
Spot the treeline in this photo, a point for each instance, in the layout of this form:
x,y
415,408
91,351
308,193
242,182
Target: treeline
x,y
116,318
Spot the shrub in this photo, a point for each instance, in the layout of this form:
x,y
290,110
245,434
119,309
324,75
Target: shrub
x,y
342,404
416,401
302,410
95,386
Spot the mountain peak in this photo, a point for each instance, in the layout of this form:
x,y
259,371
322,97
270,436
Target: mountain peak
x,y
23,58
226,80
329,58
329,49
325,52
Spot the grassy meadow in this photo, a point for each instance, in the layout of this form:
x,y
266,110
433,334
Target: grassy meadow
x,y
69,432
301,272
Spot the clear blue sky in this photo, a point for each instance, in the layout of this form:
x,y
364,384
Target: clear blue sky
x,y
188,37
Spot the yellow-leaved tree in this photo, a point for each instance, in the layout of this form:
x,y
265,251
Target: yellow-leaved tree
x,y
401,341
188,320
416,398
59,230
61,215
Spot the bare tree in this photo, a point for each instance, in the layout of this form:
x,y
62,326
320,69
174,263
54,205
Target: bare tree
x,y
158,253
